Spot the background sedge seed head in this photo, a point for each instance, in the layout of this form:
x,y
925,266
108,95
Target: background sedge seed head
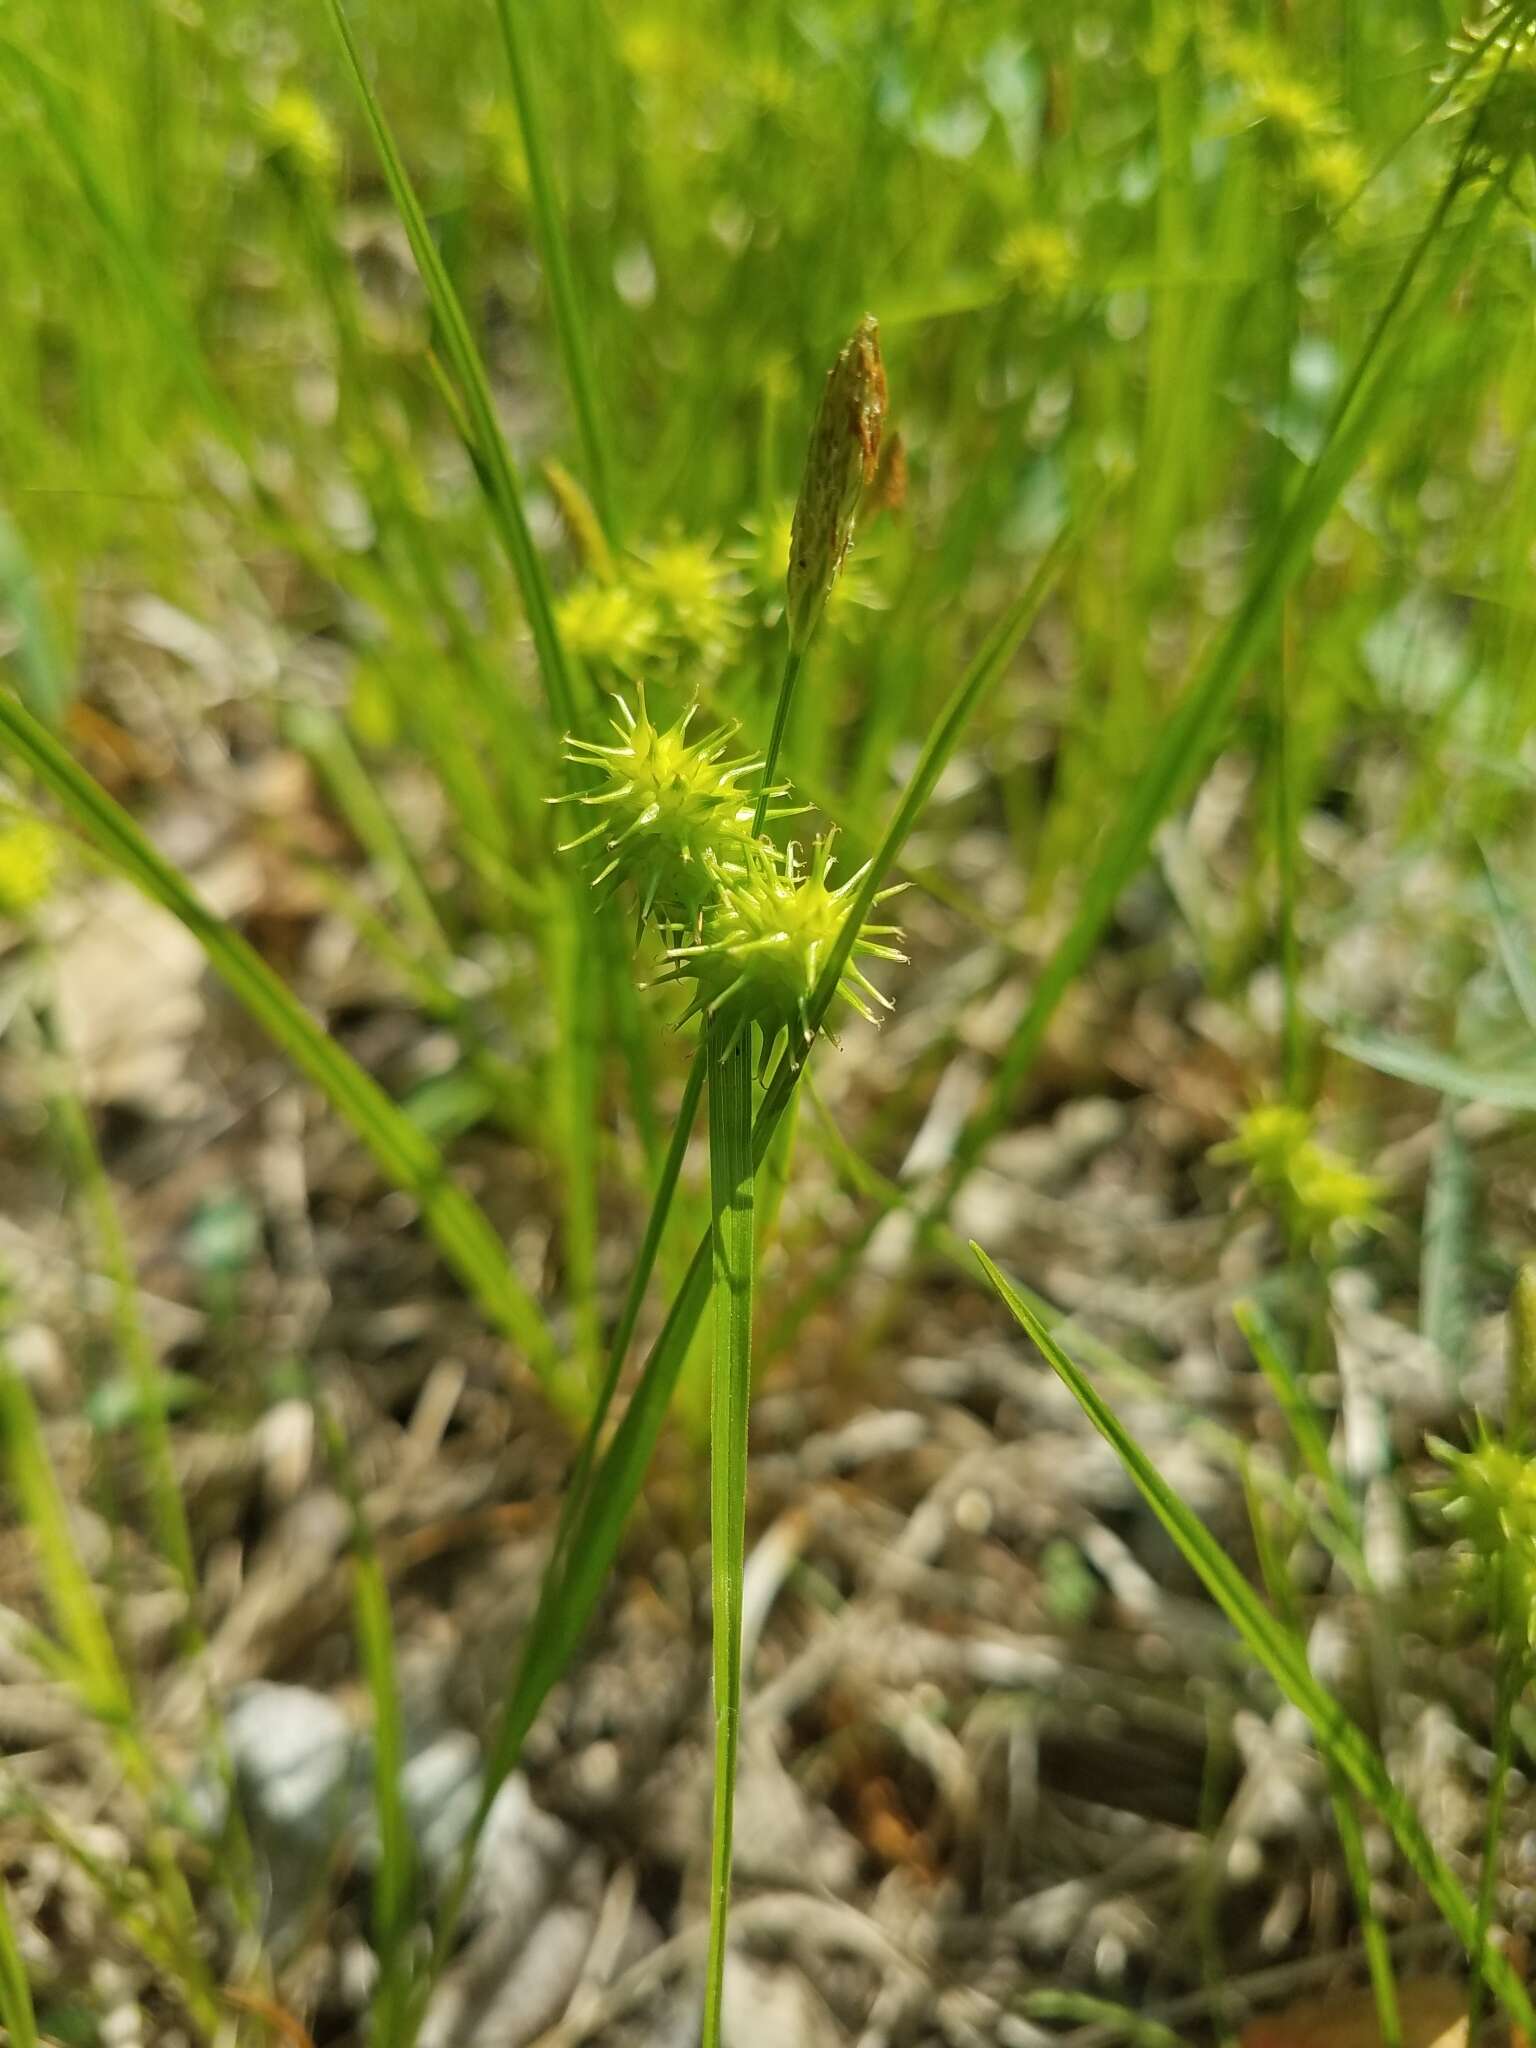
x,y
1497,90
29,862
841,460
1489,1499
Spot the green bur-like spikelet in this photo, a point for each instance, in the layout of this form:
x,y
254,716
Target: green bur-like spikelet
x,y
1490,1501
765,938
1497,89
673,818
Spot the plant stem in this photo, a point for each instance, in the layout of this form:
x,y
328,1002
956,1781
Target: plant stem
x,y
16,2009
731,1176
540,1670
152,1418
793,662
1511,1683
1378,1952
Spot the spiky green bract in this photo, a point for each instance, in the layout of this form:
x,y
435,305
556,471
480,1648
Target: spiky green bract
x,y
1490,1501
1495,85
764,939
673,818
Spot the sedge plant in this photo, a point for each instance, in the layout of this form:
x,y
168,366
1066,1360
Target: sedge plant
x,y
748,927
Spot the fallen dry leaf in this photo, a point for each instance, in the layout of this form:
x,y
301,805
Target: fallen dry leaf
x,y
1434,2015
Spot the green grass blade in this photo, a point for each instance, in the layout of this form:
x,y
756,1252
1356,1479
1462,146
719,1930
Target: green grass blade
x,y
1514,945
558,1618
402,1151
16,2009
77,1612
136,270
1373,1938
483,436
46,687
573,970
554,253
83,1160
1446,1254
322,736
794,660
1512,1087
1282,1655
394,1880
732,1171
1302,1419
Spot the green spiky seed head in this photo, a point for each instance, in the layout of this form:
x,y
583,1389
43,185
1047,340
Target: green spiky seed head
x,y
1040,260
1316,1190
1489,1499
1496,91
842,458
766,937
300,133
696,598
608,622
672,817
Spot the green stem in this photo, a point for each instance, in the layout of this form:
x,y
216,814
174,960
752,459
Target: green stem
x,y
1378,1952
152,1424
373,1631
731,1177
524,1699
793,662
16,2009
1511,1683
554,252
476,411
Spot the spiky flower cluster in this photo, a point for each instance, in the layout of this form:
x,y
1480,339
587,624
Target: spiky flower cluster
x,y
1493,76
1040,261
765,938
1489,1499
1316,1190
763,556
675,602
299,132
673,815
1304,133
752,927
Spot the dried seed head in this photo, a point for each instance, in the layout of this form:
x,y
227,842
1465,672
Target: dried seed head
x,y
841,460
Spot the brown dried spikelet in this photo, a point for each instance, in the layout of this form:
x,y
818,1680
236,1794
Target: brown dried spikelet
x,y
888,492
841,460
